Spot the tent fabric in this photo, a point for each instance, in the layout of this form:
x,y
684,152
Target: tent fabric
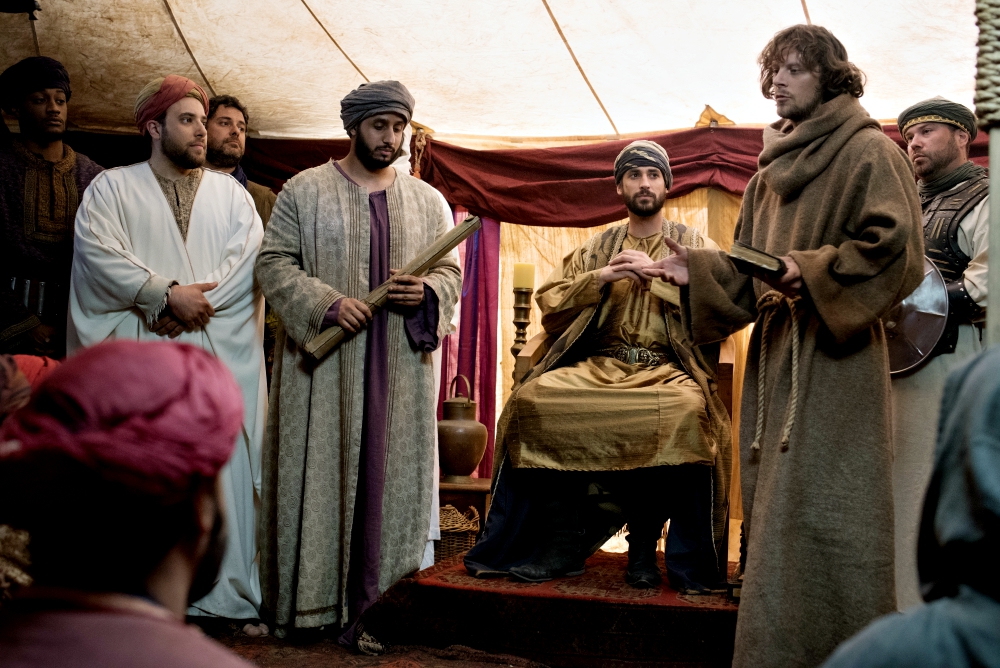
x,y
486,68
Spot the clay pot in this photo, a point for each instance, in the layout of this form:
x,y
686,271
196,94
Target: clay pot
x,y
461,438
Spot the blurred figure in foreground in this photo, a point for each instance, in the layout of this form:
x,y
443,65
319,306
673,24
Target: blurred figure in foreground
x,y
112,469
958,542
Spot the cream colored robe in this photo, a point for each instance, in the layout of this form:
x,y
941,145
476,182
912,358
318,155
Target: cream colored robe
x,y
126,238
316,251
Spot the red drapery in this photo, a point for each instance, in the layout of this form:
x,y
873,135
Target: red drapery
x,y
573,186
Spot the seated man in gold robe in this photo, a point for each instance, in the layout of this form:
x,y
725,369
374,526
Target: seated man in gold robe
x,y
620,422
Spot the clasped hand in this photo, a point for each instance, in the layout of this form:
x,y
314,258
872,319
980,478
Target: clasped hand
x,y
629,264
404,290
187,310
674,269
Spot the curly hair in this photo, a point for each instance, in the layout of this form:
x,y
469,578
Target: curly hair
x,y
227,101
819,50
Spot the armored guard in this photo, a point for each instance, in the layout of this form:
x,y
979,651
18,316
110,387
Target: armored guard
x,y
954,195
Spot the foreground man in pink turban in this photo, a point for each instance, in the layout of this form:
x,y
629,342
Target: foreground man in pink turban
x,y
113,469
165,248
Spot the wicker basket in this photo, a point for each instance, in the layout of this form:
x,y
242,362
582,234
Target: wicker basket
x,y
458,532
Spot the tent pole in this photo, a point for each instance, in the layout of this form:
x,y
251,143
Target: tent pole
x,y
993,280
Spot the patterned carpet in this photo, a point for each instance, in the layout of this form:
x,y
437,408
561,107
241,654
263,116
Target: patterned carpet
x,y
603,581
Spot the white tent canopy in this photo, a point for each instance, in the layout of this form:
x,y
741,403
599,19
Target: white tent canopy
x,y
505,68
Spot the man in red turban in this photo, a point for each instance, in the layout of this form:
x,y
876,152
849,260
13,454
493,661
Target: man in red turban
x,y
113,470
166,249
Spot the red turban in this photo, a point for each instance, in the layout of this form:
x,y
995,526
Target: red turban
x,y
35,369
151,416
153,102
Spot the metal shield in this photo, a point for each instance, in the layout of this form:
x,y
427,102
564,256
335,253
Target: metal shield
x,y
914,327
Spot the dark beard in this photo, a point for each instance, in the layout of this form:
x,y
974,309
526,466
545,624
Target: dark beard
x,y
207,574
365,154
645,211
218,156
798,114
178,153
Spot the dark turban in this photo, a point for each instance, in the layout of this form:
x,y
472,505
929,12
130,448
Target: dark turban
x,y
153,417
938,110
160,94
643,153
30,75
377,97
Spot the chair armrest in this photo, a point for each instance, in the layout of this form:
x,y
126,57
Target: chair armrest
x,y
531,354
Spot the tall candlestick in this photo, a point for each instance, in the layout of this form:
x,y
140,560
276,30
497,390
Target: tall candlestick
x,y
524,275
522,318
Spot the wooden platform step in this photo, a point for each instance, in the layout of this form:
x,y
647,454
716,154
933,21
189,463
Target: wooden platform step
x,y
591,620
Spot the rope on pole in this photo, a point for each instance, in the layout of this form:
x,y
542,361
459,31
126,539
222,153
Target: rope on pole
x,y
988,111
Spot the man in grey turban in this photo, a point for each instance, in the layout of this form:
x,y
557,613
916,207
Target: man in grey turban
x,y
619,422
346,507
954,196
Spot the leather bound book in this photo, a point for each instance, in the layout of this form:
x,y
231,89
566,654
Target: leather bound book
x,y
756,263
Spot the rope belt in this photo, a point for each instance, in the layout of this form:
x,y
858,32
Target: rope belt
x,y
769,304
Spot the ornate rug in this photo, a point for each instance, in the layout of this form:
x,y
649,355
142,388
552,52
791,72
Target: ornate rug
x,y
602,581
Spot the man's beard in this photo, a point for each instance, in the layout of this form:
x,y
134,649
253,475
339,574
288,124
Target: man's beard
x,y
800,112
645,210
179,153
222,156
365,154
206,576
938,161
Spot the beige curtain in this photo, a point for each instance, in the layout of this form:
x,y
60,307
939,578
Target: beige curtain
x,y
712,212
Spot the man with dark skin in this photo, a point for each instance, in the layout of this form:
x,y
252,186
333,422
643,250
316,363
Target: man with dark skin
x,y
41,182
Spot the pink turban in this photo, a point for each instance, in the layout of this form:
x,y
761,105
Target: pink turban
x,y
151,416
153,101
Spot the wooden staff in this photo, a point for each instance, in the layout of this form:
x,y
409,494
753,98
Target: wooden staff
x,y
324,342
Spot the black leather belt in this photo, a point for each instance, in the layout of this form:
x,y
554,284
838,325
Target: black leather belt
x,y
637,356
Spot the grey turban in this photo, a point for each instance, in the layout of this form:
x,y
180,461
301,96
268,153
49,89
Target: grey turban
x,y
643,153
939,110
377,97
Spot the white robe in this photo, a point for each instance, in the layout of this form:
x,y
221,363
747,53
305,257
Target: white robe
x,y
125,234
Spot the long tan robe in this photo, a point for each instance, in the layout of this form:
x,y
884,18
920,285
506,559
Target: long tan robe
x,y
601,413
316,251
838,196
572,329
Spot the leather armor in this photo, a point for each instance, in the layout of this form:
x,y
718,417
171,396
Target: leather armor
x,y
943,214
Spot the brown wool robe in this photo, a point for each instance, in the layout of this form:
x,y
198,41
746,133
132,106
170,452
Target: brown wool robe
x,y
839,197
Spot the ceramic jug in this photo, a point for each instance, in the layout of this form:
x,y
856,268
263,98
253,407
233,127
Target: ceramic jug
x,y
461,438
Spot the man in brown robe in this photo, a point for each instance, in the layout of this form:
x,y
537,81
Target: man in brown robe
x,y
348,465
41,182
837,200
228,120
621,413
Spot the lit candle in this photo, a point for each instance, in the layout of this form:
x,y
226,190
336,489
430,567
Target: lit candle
x,y
524,275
